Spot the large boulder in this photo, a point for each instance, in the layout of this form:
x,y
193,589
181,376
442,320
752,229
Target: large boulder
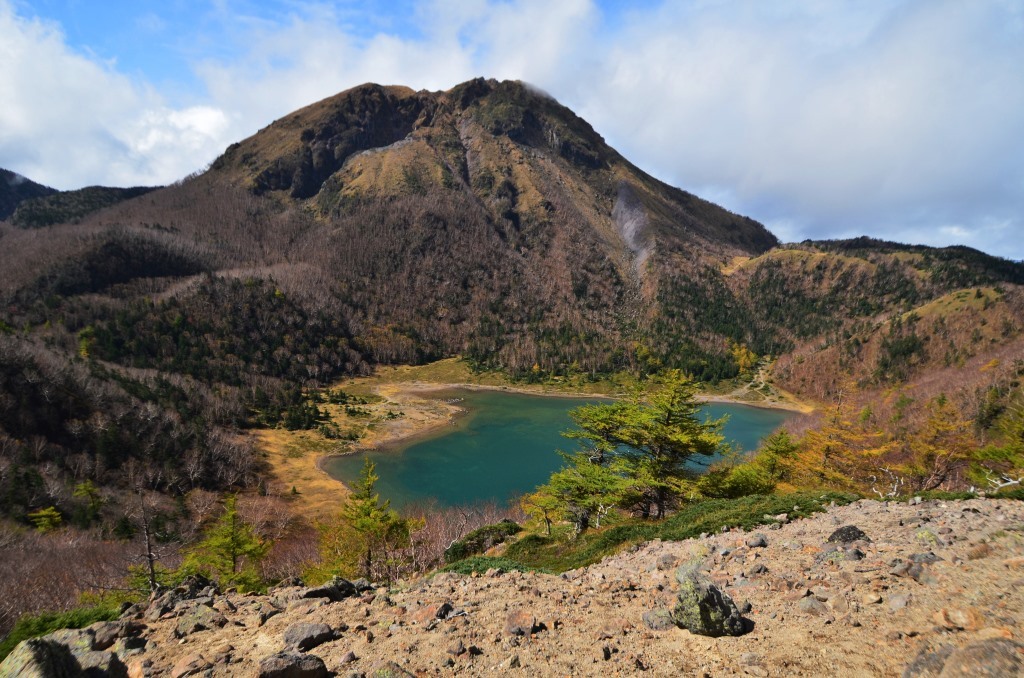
x,y
41,658
62,654
703,608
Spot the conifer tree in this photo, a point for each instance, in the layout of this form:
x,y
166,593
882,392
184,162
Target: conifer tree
x,y
368,536
229,551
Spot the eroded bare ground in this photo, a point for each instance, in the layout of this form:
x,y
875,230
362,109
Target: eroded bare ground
x,y
815,610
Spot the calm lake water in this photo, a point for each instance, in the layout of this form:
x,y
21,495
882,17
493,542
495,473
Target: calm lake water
x,y
503,447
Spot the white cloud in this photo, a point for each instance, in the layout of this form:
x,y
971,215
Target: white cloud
x,y
69,121
895,118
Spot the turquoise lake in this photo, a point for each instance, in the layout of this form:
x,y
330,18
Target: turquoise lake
x,y
505,446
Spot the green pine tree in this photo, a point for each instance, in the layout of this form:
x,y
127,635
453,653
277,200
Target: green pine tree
x,y
230,551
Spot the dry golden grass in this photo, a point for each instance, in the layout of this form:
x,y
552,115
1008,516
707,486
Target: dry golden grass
x,y
292,457
957,301
734,265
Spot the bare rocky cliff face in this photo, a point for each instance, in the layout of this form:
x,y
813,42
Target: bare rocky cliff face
x,y
925,589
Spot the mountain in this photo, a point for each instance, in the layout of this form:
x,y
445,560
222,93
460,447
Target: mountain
x,y
15,189
488,221
384,225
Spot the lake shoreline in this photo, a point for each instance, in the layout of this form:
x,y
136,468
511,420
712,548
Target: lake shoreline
x,y
428,413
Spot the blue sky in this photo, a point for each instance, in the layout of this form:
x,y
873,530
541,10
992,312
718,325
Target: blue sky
x,y
899,119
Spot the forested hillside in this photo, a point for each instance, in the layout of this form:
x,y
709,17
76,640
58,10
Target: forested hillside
x,y
140,327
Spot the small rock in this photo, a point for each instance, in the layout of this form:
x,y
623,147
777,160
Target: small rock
x,y
190,665
659,619
847,535
871,599
520,623
336,590
348,658
757,541
431,612
458,649
307,636
703,608
199,618
899,602
812,606
956,619
290,665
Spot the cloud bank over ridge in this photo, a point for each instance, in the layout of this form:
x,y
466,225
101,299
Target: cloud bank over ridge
x,y
894,118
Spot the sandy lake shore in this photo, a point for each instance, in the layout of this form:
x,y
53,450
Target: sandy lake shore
x,y
426,408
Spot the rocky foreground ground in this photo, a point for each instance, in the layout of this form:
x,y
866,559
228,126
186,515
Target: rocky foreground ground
x,y
934,588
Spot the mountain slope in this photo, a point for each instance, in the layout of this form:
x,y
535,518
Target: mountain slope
x,y
384,225
15,189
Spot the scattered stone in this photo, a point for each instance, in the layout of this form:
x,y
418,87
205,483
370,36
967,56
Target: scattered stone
x,y
520,623
105,634
458,649
703,608
956,619
812,606
899,602
307,636
757,541
871,599
659,619
291,665
199,618
431,612
190,665
848,534
336,590
348,658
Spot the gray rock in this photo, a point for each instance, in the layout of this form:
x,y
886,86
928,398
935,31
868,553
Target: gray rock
x,y
108,633
813,606
994,657
335,590
703,608
307,636
659,619
41,658
847,534
757,541
289,665
899,602
199,618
